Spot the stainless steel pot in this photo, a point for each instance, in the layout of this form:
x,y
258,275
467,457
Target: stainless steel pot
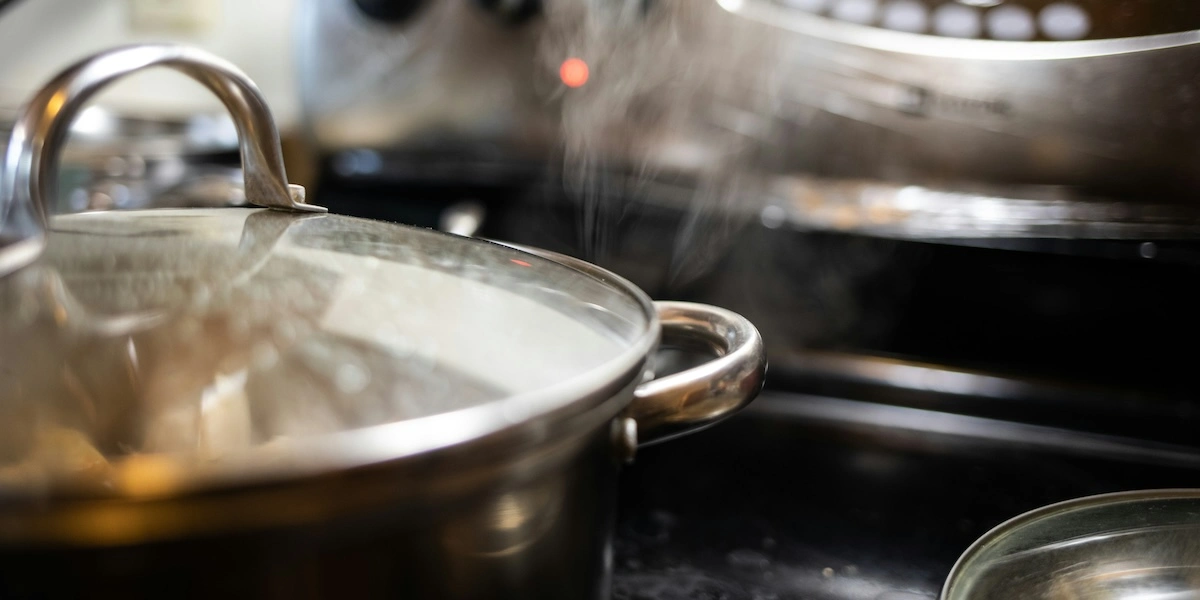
x,y
285,403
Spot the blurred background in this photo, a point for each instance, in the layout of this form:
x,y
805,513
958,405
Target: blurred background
x,y
256,36
158,134
967,229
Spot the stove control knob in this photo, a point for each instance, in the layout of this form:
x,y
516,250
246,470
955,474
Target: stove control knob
x,y
389,11
512,12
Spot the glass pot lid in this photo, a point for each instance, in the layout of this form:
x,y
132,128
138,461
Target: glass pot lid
x,y
208,334
1124,545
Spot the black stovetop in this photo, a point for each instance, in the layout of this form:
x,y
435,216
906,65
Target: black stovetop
x,y
875,497
775,505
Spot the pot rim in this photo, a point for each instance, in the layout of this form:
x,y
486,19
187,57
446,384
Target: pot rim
x,y
513,421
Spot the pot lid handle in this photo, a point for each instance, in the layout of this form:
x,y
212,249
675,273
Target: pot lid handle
x,y
41,128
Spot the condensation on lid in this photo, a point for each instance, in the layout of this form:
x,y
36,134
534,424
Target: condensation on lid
x,y
212,332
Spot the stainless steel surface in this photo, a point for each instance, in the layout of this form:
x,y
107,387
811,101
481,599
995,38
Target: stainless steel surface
x,y
1018,20
789,95
505,516
683,402
103,131
931,383
1139,544
474,528
700,396
45,120
437,411
907,425
908,211
108,131
901,211
1113,115
114,160
625,438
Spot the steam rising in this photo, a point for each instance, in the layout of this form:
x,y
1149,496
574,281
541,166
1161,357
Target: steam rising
x,y
680,88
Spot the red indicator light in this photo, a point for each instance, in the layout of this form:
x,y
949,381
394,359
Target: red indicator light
x,y
573,72
520,262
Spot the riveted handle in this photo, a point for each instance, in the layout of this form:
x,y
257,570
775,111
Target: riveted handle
x,y
701,396
39,132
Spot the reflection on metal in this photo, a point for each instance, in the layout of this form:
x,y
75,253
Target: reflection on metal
x,y
1161,415
43,125
463,218
976,214
684,402
625,438
699,396
902,424
509,523
911,211
927,378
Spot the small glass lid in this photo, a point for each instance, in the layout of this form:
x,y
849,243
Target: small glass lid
x,y
1126,545
205,333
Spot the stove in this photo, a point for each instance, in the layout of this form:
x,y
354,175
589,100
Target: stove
x,y
806,497
971,252
920,392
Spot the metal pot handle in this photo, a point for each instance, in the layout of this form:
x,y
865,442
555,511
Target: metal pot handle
x,y
701,396
39,131
695,398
